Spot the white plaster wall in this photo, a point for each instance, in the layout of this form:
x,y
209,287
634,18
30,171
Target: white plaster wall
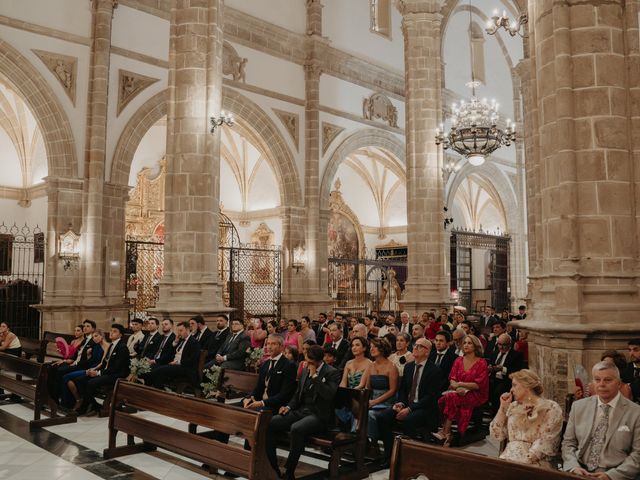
x,y
358,196
140,32
10,172
151,150
36,214
396,211
72,16
24,42
346,24
230,195
245,232
284,13
264,191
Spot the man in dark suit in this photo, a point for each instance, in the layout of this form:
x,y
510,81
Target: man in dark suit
x,y
234,351
201,332
219,337
418,393
151,343
631,374
339,343
184,363
276,380
504,361
115,365
322,324
497,329
166,349
310,410
442,356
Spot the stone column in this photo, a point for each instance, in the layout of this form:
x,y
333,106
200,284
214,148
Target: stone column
x,y
584,291
192,192
427,284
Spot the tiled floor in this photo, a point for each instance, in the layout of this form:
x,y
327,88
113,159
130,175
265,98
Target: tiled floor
x,y
78,447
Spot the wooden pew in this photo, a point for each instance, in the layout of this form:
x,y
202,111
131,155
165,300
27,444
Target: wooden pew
x,y
237,384
28,379
33,349
409,459
182,386
233,458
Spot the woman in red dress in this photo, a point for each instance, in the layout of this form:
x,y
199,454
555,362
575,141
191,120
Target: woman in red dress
x,y
468,389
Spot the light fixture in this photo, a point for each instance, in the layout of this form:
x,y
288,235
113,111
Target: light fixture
x,y
225,118
69,249
299,258
450,167
447,220
502,21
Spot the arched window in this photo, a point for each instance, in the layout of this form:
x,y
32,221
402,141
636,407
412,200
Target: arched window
x,y
381,17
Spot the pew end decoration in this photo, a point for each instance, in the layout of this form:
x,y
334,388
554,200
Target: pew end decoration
x,y
211,388
139,366
252,362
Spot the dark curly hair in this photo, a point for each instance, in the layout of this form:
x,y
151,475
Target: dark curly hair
x,y
383,346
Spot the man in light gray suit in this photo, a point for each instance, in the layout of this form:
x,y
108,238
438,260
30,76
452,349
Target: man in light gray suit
x,y
602,439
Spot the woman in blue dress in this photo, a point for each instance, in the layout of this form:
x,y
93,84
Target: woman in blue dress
x,y
97,350
383,383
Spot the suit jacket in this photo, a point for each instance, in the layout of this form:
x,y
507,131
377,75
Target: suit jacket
x,y
217,340
445,365
627,375
150,345
319,333
168,350
409,326
621,453
84,362
235,351
513,363
491,348
118,362
343,351
282,383
190,354
322,391
429,388
205,339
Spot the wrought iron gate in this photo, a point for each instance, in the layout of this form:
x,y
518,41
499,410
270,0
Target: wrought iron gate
x,y
143,272
22,260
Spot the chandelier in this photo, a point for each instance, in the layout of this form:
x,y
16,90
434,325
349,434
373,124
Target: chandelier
x,y
474,133
503,21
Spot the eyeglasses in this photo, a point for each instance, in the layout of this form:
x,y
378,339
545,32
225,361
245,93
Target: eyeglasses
x,y
417,345
504,344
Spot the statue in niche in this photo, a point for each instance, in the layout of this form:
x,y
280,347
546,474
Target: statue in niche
x,y
391,292
379,106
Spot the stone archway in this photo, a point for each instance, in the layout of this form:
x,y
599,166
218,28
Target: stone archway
x,y
56,131
363,138
255,124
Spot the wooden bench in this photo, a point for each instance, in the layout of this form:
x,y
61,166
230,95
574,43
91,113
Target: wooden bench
x,y
410,459
33,349
250,425
28,379
181,386
237,384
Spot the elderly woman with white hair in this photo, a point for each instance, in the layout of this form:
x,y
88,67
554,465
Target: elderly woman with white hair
x,y
531,424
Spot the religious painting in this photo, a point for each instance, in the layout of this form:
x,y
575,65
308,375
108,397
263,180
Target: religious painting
x,y
343,237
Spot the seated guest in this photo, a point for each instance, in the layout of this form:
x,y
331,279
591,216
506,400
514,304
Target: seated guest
x,y
522,312
497,329
151,343
96,353
371,327
502,364
306,331
442,356
402,356
416,408
531,424
114,365
330,355
201,332
309,412
219,337
257,333
166,350
9,342
416,332
388,321
136,337
405,326
391,338
184,364
291,353
276,379
272,327
522,345
631,372
358,331
619,360
468,389
303,364
355,371
69,350
337,342
601,439
292,336
382,380
474,330
433,326
457,337
234,351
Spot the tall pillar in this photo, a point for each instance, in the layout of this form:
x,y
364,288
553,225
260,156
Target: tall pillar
x,y
427,285
584,289
306,294
192,192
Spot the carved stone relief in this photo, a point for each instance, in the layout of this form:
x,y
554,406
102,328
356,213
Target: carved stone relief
x,y
145,208
64,68
130,84
291,122
232,63
379,106
329,134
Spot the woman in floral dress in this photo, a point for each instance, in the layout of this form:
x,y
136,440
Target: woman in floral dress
x,y
531,424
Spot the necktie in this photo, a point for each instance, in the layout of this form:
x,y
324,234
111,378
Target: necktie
x,y
439,359
414,384
164,341
81,351
499,359
109,352
597,441
271,364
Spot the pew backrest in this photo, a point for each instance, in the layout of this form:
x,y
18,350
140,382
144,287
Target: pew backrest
x,y
236,383
33,349
410,459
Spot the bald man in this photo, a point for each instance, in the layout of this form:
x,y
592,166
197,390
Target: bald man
x,y
502,363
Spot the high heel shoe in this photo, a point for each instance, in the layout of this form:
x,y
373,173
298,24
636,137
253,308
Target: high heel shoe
x,y
440,435
447,440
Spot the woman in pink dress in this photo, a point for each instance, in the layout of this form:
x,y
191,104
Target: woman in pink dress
x,y
468,389
292,337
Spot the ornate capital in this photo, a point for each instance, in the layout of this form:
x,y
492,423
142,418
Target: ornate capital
x,y
313,66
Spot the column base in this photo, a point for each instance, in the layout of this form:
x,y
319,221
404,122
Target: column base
x,y
555,350
424,297
63,318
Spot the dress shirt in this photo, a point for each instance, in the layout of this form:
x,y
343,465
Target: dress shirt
x,y
599,412
502,356
415,399
440,357
181,345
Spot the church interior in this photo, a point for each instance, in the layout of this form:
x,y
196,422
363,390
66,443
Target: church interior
x,y
353,187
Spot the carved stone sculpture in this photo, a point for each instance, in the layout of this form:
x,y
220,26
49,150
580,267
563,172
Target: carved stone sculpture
x,y
63,68
379,106
291,122
232,63
130,84
329,134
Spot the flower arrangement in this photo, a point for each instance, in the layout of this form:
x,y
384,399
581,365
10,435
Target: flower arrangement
x,y
252,362
139,366
211,387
